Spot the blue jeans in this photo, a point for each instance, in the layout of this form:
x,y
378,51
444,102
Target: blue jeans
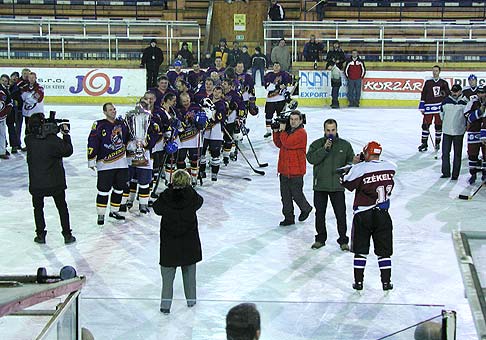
x,y
354,92
262,73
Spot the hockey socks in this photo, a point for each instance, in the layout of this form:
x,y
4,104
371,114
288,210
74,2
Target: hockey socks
x,y
385,272
359,267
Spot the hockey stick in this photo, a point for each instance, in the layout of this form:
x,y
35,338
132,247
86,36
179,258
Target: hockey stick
x,y
466,197
260,172
436,151
161,167
261,165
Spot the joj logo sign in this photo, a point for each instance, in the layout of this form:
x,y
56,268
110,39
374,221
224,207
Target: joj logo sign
x,y
96,83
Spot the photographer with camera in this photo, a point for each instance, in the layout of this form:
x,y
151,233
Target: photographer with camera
x,y
326,154
291,138
373,181
45,151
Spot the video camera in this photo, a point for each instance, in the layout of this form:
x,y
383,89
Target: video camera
x,y
284,118
53,126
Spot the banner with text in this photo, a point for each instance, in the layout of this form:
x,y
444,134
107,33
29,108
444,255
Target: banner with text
x,y
405,85
88,82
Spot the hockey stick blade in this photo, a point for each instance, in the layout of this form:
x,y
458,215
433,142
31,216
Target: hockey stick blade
x,y
263,165
465,197
260,172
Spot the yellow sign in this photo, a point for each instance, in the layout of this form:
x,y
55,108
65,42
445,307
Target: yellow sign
x,y
239,22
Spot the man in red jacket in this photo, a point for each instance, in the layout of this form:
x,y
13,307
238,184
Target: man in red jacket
x,y
355,71
292,142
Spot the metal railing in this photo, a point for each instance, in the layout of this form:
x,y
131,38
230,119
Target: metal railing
x,y
107,32
426,37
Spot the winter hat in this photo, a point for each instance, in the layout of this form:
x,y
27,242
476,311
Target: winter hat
x,y
177,63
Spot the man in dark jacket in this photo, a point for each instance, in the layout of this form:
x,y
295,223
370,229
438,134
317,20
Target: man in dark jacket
x,y
259,62
326,154
312,48
276,13
180,245
45,151
245,58
152,58
336,55
292,142
234,55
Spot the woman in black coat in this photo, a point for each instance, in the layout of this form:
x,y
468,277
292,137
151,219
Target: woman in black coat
x,y
179,237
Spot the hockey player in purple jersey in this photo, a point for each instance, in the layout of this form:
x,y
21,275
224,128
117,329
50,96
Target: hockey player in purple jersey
x,y
196,77
434,92
190,137
176,73
107,153
216,110
234,118
373,181
276,83
218,68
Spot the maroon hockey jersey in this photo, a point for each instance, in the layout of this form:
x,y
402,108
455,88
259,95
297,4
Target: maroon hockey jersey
x,y
433,94
373,182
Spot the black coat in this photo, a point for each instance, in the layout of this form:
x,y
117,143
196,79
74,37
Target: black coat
x,y
152,58
179,235
245,58
44,159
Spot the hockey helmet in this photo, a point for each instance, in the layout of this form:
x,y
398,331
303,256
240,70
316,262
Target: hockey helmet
x,y
372,148
177,63
481,89
472,77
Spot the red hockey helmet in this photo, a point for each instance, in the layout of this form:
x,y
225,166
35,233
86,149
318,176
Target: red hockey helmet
x,y
372,148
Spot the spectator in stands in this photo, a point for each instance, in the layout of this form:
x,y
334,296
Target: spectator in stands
x,y
355,71
186,53
320,9
245,58
276,13
221,51
335,83
429,330
243,322
259,63
207,61
180,245
312,48
181,60
234,55
166,7
336,55
281,54
152,58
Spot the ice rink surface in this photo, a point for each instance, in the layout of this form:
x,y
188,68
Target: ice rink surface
x,y
301,293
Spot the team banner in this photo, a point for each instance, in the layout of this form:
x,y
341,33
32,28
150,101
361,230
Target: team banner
x,y
404,85
88,82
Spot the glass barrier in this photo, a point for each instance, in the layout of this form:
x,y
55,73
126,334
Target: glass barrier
x,y
141,319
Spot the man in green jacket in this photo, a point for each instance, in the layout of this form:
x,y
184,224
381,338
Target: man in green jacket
x,y
327,154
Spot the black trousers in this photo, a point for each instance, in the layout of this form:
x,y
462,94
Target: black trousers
x,y
339,206
335,96
152,74
61,205
449,141
291,189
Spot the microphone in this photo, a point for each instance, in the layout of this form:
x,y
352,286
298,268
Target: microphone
x,y
330,138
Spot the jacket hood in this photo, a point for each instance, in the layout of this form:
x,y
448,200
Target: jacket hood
x,y
178,199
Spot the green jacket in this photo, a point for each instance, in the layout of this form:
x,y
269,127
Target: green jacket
x,y
326,162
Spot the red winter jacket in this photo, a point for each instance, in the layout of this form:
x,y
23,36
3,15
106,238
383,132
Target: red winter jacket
x,y
291,158
355,69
